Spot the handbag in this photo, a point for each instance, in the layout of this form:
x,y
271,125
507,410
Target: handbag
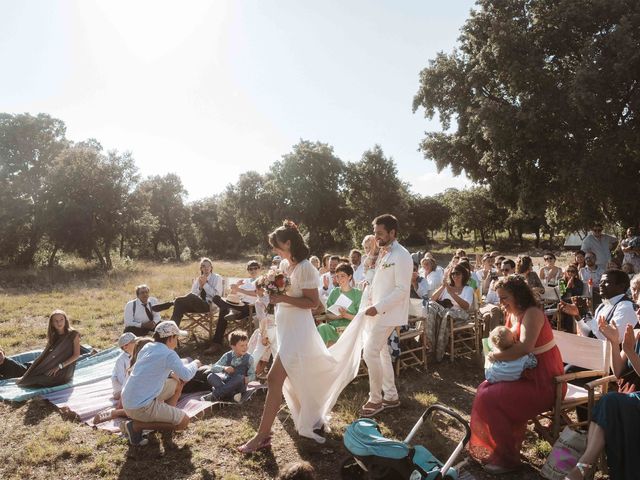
x,y
566,451
446,303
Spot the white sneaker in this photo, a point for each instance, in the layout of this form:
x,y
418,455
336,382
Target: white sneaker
x,y
237,397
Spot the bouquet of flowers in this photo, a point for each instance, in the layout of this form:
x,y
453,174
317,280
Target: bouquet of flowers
x,y
274,282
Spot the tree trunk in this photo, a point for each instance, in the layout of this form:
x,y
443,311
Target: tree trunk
x,y
537,232
107,255
52,256
483,240
96,250
121,245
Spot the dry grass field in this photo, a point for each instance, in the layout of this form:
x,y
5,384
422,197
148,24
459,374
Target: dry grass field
x,y
39,443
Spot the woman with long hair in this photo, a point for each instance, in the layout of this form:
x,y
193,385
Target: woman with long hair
x,y
308,374
57,362
501,410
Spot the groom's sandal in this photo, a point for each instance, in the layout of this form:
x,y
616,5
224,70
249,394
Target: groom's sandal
x,y
390,403
370,409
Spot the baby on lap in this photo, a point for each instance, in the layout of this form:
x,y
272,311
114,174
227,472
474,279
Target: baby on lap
x,y
500,371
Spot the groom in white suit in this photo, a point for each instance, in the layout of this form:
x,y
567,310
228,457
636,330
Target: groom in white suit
x,y
388,307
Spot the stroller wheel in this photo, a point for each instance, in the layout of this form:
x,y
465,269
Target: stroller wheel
x,y
351,470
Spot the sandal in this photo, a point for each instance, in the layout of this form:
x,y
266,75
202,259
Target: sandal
x,y
370,409
264,443
102,416
390,403
584,469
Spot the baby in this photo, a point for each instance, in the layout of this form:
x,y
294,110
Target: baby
x,y
500,371
229,376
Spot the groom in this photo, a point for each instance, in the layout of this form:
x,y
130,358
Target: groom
x,y
388,301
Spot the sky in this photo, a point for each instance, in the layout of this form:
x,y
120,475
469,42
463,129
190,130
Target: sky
x,y
211,89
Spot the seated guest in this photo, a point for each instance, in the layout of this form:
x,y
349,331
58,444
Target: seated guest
x,y
590,276
502,339
574,288
329,279
453,298
139,318
229,376
487,272
369,259
578,259
550,274
55,365
275,262
501,410
149,387
615,425
431,274
615,307
331,330
324,267
628,268
491,312
355,258
246,288
419,286
126,342
524,267
206,289
630,247
315,261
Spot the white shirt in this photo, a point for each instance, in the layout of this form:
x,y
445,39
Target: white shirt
x,y
212,287
466,295
119,373
329,276
139,316
248,285
623,315
601,247
358,274
586,273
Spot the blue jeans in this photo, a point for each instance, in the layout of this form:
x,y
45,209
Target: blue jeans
x,y
224,386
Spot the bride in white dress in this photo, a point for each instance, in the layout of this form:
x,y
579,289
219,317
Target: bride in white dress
x,y
308,374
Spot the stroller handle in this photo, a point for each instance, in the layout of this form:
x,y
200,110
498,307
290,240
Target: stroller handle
x,y
441,408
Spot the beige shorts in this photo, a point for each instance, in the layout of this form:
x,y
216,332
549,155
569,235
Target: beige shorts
x,y
158,410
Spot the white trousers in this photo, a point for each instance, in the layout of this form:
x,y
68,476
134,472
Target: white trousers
x,y
378,359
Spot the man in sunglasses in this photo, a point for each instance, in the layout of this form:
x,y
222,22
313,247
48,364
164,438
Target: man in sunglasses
x,y
491,312
600,244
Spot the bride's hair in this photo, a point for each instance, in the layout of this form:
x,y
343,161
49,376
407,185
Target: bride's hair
x,y
289,232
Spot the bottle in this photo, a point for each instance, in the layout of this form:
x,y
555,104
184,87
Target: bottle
x,y
562,286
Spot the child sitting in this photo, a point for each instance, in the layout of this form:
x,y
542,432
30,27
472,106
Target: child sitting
x,y
229,376
263,341
127,343
500,371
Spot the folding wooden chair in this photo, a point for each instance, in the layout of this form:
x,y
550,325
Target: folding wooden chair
x,y
591,354
191,322
464,338
413,342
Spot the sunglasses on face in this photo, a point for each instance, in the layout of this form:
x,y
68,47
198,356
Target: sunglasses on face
x,y
253,268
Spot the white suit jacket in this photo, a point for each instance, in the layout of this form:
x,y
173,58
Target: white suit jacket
x,y
390,288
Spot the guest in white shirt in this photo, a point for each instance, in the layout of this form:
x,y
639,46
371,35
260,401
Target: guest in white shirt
x,y
246,288
491,312
329,281
206,289
590,276
600,244
355,258
432,274
154,385
139,318
126,342
419,286
615,307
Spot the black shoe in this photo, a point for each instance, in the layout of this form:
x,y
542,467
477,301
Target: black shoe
x,y
161,307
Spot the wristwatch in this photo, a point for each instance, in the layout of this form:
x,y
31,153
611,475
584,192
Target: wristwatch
x,y
60,366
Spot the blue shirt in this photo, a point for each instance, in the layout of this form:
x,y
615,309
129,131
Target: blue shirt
x,y
510,371
243,365
154,364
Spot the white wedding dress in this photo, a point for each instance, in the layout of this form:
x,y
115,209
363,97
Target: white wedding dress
x,y
316,375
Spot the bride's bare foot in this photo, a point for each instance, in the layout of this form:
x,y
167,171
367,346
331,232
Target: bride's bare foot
x,y
258,442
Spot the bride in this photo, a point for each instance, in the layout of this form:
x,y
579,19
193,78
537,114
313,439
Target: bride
x,y
308,374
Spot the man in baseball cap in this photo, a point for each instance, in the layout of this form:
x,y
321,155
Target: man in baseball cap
x,y
150,394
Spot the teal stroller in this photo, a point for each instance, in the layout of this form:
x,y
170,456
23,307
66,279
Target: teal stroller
x,y
376,457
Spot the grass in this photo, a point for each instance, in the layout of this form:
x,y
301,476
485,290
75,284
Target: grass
x,y
38,443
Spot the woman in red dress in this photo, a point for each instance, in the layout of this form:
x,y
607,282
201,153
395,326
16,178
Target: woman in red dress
x,y
501,410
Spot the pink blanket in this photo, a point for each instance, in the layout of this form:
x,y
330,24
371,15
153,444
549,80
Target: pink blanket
x,y
87,400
